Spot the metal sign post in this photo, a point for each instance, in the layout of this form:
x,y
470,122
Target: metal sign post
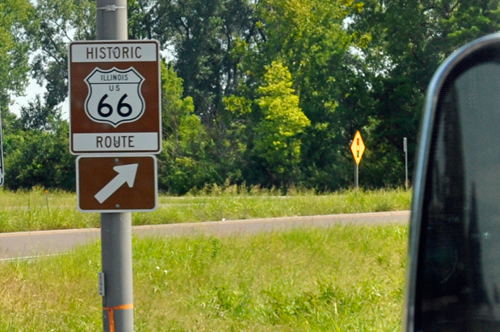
x,y
405,147
115,127
116,228
356,176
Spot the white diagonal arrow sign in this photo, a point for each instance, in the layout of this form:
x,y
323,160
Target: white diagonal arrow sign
x,y
126,174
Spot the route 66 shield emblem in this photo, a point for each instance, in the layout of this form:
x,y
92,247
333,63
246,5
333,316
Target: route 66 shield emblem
x,y
114,96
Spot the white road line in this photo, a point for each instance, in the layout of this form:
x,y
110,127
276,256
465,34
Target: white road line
x,y
24,258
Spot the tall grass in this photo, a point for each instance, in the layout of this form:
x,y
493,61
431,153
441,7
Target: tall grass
x,y
339,279
233,204
41,210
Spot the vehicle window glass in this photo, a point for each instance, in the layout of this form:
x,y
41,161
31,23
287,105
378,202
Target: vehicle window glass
x,y
459,287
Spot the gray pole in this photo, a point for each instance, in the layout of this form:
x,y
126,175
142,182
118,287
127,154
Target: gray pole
x,y
405,146
112,20
116,228
118,299
356,175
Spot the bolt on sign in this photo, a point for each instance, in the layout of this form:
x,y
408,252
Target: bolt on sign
x,y
114,97
118,183
357,147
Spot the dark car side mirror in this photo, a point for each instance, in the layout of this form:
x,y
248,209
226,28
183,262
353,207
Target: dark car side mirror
x,y
453,278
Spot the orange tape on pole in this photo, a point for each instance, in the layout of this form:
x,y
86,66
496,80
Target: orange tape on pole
x,y
111,314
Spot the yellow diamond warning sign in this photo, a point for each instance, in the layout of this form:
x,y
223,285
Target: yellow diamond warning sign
x,y
357,147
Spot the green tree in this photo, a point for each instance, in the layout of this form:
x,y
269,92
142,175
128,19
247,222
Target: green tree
x,y
39,158
472,19
16,15
409,41
278,141
202,34
141,18
205,37
309,37
183,163
38,116
58,22
402,55
31,157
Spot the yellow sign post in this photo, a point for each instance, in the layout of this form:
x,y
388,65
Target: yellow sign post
x,y
357,149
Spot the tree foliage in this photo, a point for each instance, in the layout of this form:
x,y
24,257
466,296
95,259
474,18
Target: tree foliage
x,y
39,158
16,15
202,34
56,23
277,140
265,92
182,164
39,116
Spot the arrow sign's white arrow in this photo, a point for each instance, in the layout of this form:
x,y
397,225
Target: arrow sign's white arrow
x,y
126,174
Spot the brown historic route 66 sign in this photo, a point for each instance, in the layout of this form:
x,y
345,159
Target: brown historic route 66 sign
x,y
114,97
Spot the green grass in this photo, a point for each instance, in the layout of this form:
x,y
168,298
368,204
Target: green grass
x,y
39,210
344,278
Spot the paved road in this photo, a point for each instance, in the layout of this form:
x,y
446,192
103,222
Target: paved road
x,y
28,244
